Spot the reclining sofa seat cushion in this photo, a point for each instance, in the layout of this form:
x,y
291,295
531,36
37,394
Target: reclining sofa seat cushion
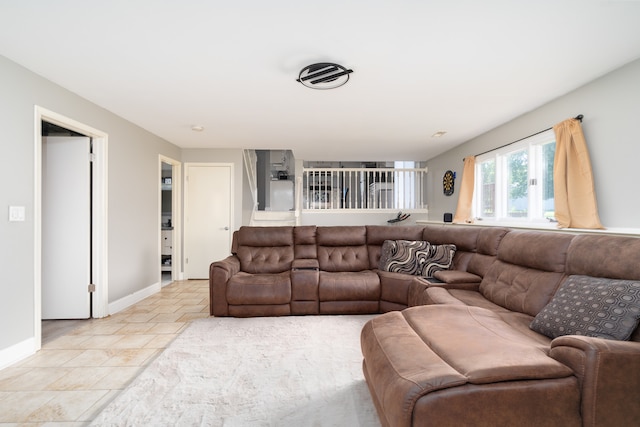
x,y
528,270
346,283
263,285
394,287
429,365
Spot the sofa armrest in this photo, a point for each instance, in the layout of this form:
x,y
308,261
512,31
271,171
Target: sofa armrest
x,y
609,375
305,276
305,264
457,276
219,274
421,292
455,279
416,292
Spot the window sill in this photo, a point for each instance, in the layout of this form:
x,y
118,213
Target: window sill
x,y
544,227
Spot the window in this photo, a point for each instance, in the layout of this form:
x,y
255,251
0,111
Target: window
x,y
515,183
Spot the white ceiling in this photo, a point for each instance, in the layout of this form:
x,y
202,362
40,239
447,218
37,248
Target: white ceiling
x,y
420,66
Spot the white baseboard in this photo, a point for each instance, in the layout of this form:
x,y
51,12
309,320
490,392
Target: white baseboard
x,y
26,348
133,298
16,353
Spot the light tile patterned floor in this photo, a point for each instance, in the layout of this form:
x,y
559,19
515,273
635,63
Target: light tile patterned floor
x,y
75,375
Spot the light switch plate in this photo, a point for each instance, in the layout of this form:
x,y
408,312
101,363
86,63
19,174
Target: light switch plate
x,y
16,213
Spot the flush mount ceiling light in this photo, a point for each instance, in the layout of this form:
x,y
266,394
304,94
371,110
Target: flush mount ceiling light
x,y
324,75
439,134
197,128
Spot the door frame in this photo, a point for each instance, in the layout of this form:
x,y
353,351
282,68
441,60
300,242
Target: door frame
x,y
99,261
187,165
176,216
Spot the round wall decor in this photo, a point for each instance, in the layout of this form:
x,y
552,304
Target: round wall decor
x,y
448,181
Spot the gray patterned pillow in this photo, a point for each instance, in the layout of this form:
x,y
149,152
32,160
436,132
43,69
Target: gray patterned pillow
x,y
415,257
591,306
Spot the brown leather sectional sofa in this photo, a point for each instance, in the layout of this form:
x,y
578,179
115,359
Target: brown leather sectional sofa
x,y
277,271
457,349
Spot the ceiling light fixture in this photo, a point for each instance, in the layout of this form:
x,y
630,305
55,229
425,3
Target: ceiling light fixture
x,y
439,134
197,128
324,75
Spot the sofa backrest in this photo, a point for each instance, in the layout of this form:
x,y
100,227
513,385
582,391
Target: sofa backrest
x,y
476,246
611,257
489,239
304,242
342,248
377,234
264,250
464,237
614,257
530,266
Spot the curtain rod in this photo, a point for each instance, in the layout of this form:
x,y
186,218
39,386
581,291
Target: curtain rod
x,y
578,117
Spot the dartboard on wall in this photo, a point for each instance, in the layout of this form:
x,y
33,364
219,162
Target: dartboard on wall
x,y
448,181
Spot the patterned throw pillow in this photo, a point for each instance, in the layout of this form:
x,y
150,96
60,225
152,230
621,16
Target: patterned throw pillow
x,y
415,257
440,258
591,306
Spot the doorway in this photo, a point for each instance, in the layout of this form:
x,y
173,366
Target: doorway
x,y
96,216
170,219
66,224
208,213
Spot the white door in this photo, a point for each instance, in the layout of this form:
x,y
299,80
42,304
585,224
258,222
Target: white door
x,y
66,228
207,217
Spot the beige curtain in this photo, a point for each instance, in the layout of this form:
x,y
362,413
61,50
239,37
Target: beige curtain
x,y
574,193
465,197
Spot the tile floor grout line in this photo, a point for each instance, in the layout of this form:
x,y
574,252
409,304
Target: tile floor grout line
x,y
49,386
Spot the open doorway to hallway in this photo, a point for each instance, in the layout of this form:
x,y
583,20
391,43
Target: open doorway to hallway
x,y
81,233
169,214
66,223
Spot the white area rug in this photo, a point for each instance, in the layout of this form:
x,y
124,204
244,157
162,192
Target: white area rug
x,y
276,371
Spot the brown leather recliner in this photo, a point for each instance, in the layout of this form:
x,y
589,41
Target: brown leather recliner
x,y
347,285
256,280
